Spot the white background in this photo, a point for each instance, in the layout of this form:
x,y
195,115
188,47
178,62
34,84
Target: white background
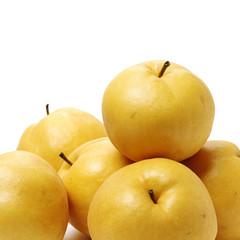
x,y
66,52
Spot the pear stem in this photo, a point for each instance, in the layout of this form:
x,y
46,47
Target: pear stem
x,y
47,109
62,155
151,193
166,64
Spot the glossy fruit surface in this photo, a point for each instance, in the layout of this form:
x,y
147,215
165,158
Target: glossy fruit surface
x,y
152,199
218,166
149,116
61,131
93,162
33,200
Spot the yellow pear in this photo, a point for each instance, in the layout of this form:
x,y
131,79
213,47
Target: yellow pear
x,y
218,166
33,199
63,130
92,163
152,199
157,109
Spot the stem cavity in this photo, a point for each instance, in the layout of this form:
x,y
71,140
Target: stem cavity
x,y
62,155
165,66
152,196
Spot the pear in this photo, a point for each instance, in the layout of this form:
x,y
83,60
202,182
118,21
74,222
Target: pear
x,y
33,199
158,109
61,131
152,199
87,167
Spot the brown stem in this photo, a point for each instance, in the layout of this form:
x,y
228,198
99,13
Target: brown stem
x,y
166,64
62,155
47,109
151,193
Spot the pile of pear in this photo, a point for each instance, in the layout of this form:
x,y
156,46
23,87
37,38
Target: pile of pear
x,y
148,171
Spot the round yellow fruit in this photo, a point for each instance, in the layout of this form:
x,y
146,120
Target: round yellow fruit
x,y
152,199
33,199
147,115
218,166
93,162
61,131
